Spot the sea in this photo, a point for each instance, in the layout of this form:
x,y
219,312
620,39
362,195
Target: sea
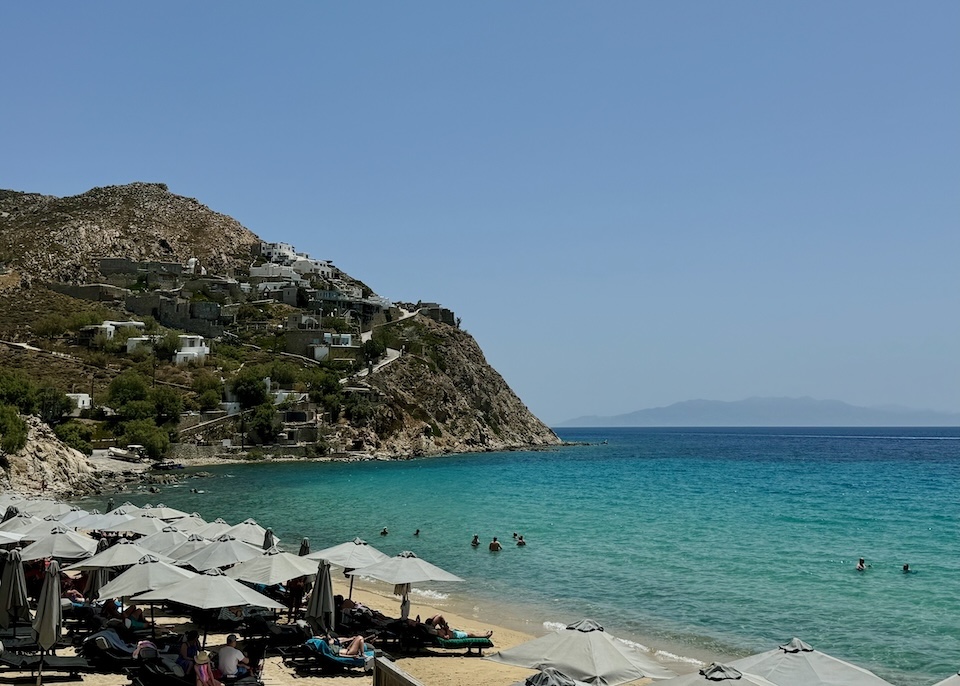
x,y
696,544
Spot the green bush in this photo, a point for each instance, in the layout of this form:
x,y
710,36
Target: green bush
x,y
144,432
209,400
13,431
168,404
127,387
249,388
76,435
264,425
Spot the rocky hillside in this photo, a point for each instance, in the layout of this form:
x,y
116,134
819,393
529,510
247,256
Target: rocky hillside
x,y
61,239
46,461
443,397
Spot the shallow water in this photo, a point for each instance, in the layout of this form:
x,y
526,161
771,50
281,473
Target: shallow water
x,y
696,542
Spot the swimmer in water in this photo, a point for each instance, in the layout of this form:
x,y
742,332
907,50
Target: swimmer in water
x,y
520,540
417,532
476,540
861,565
907,570
495,545
383,531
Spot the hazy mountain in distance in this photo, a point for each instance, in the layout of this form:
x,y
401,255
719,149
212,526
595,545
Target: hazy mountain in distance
x,y
771,412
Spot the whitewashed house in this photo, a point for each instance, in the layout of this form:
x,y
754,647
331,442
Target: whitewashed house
x,y
192,349
82,401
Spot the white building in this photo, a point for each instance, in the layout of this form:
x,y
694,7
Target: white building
x,y
192,348
271,270
139,326
282,253
305,265
82,401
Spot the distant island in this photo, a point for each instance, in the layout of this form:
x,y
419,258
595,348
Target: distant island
x,y
770,412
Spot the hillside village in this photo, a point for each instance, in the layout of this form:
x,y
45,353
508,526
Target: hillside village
x,y
146,321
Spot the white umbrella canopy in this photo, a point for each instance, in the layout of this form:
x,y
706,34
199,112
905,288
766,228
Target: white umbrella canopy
x,y
41,528
273,567
586,652
952,680
48,621
214,529
161,511
798,664
191,523
42,508
61,544
549,677
122,554
168,538
130,508
208,591
72,516
149,574
250,532
350,555
224,551
7,499
405,568
144,525
193,543
21,521
7,538
719,675
95,521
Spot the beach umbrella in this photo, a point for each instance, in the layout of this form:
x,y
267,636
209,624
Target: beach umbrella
x,y
719,675
402,571
6,538
268,539
798,664
72,516
48,621
12,511
586,652
190,524
98,522
250,532
143,525
223,552
214,529
149,574
952,680
21,520
41,528
45,508
60,543
168,538
304,547
14,604
97,577
123,554
320,607
273,567
350,555
207,591
161,511
549,677
193,543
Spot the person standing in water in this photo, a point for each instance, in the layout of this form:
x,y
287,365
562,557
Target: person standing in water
x,y
495,545
476,540
861,565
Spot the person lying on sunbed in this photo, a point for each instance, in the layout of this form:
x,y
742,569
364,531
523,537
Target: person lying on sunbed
x,y
439,625
348,647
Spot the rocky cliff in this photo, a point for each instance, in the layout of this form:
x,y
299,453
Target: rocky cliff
x,y
61,239
46,465
441,396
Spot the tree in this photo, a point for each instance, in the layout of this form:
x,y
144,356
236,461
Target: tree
x,y
372,350
136,409
52,405
17,391
127,387
249,388
167,346
264,425
13,431
76,435
168,404
209,400
144,432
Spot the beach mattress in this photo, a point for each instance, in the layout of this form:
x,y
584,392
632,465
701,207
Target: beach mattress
x,y
464,642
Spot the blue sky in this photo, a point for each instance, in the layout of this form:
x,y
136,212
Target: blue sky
x,y
628,204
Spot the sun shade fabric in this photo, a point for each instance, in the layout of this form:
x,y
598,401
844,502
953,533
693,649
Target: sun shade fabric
x,y
798,664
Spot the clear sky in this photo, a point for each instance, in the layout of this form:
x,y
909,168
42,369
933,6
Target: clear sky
x,y
629,204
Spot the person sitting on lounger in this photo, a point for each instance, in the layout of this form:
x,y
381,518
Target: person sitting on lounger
x,y
204,670
189,649
232,661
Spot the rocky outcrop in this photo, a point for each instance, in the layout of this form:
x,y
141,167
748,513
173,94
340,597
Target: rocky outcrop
x,y
47,465
47,238
443,397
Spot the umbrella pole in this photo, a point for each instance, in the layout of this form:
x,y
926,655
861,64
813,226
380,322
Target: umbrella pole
x,y
350,597
204,636
153,623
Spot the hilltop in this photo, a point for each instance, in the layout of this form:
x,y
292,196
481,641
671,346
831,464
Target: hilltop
x,y
176,328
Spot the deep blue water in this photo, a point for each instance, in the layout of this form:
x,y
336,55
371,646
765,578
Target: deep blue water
x,y
698,542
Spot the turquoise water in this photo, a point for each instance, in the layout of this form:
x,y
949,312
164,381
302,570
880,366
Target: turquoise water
x,y
697,542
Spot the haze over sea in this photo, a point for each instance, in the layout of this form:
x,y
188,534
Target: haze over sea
x,y
698,542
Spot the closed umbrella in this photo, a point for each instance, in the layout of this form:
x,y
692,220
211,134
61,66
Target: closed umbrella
x,y
798,664
123,554
717,674
14,604
49,621
209,590
402,571
320,606
304,547
273,567
97,577
150,573
268,539
350,555
586,652
223,552
62,544
12,511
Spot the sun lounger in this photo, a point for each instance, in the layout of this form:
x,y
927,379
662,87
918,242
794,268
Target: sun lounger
x,y
317,655
468,643
53,667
